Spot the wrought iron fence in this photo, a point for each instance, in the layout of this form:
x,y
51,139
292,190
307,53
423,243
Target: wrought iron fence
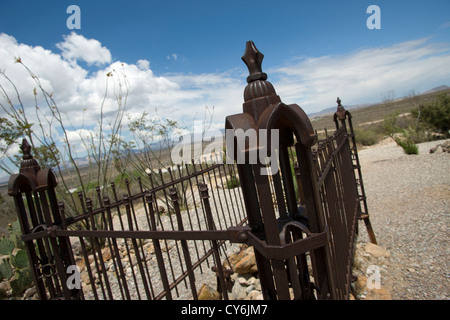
x,y
148,245
167,239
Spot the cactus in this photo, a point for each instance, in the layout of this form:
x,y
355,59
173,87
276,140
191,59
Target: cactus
x,y
6,246
6,271
15,233
20,260
21,282
14,268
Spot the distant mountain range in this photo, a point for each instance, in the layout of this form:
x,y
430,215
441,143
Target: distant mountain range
x,y
440,88
83,161
333,109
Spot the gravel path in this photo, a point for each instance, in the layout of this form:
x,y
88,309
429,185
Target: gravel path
x,y
172,251
408,198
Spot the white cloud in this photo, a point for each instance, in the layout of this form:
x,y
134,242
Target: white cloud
x,y
143,64
172,56
445,25
362,75
77,47
80,137
55,74
74,88
312,82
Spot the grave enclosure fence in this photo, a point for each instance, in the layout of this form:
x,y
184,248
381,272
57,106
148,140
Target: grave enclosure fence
x,y
302,221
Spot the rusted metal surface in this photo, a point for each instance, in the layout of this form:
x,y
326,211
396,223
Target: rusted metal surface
x,y
301,219
267,216
34,195
191,239
344,117
309,226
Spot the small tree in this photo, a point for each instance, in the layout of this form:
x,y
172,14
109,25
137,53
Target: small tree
x,y
402,137
389,125
435,115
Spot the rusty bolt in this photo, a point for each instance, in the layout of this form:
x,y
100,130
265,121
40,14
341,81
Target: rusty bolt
x,y
242,237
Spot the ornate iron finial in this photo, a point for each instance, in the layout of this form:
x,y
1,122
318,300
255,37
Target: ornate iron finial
x,y
253,59
341,113
259,94
26,150
28,164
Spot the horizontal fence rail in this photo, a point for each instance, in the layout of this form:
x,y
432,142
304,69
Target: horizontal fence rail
x,y
173,231
150,245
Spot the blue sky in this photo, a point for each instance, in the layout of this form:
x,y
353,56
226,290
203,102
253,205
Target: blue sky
x,y
179,56
209,35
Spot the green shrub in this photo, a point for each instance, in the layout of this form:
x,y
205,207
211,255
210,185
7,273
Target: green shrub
x,y
409,147
14,268
6,246
366,137
233,182
419,135
15,234
436,115
389,125
404,134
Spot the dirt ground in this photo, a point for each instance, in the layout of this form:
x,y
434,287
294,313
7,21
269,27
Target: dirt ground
x,y
409,205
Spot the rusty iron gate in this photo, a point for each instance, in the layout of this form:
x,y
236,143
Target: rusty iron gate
x,y
152,244
302,219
